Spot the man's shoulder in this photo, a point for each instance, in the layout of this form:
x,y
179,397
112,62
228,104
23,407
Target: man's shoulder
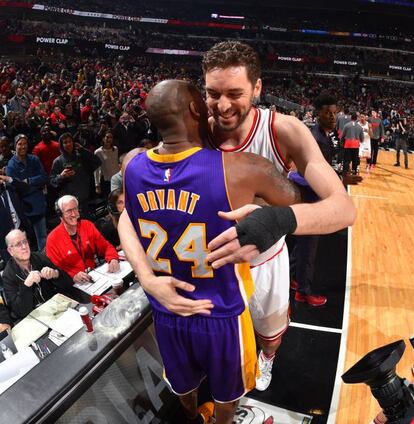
x,y
32,157
315,130
10,269
39,147
12,160
86,225
117,176
282,120
56,232
286,125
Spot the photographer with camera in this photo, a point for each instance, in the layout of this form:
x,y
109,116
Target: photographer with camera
x,y
72,172
131,129
401,136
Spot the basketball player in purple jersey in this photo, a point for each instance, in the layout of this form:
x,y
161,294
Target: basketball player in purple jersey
x,y
172,196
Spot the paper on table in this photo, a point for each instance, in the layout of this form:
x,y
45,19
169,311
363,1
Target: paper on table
x,y
16,367
27,331
102,279
61,298
68,323
53,308
124,269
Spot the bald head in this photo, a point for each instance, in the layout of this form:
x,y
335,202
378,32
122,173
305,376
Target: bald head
x,y
174,104
13,235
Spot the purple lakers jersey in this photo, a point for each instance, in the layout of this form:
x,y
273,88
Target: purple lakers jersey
x,y
172,201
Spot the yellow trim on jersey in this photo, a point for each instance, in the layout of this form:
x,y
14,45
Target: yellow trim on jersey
x,y
248,357
244,277
225,181
173,157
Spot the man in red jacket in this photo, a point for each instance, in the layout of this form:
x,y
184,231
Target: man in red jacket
x,y
72,245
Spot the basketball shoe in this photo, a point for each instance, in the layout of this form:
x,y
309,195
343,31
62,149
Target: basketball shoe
x,y
206,410
265,368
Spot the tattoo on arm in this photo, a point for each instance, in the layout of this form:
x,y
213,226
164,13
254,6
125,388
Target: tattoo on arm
x,y
283,185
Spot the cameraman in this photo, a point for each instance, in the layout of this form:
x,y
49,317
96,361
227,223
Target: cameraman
x,y
401,136
72,172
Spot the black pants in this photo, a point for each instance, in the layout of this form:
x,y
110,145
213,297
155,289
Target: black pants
x,y
401,143
303,262
374,150
351,155
105,188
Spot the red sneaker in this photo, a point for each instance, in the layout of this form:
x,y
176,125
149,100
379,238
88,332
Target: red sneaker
x,y
311,299
294,285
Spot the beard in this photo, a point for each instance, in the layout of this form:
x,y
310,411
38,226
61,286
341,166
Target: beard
x,y
240,120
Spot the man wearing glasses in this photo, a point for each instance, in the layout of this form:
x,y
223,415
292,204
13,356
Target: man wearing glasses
x,y
29,277
73,244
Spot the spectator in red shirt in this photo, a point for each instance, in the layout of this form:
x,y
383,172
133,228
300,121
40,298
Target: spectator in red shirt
x,y
6,87
76,91
86,111
35,102
47,150
57,117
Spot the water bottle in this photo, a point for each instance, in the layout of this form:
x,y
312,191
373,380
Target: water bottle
x,y
84,314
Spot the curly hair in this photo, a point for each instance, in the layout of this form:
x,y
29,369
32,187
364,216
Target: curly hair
x,y
233,53
324,99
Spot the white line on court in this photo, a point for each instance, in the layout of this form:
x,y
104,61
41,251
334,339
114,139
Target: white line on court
x,y
315,327
345,325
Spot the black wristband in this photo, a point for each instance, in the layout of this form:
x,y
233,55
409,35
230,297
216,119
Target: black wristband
x,y
265,226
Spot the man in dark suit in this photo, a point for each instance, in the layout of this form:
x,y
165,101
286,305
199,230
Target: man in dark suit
x,y
12,214
303,255
125,133
4,106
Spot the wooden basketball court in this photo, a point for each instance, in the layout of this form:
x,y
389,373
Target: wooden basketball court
x,y
381,281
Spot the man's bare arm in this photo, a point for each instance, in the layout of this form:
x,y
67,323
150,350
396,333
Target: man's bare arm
x,y
269,184
161,288
335,210
249,176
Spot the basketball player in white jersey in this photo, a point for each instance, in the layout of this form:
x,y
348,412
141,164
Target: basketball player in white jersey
x,y
365,147
232,76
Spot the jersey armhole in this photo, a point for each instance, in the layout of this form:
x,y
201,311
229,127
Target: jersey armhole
x,y
274,143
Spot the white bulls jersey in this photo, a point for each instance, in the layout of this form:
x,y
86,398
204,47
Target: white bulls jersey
x,y
262,140
269,304
365,147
